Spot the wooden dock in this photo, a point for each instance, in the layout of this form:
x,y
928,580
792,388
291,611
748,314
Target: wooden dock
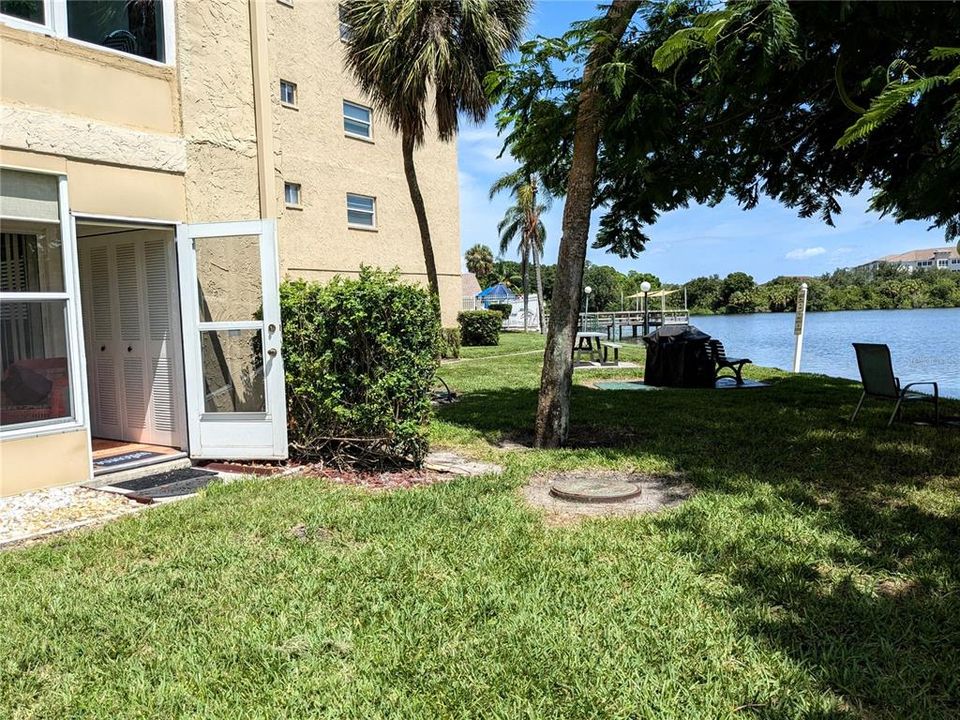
x,y
614,323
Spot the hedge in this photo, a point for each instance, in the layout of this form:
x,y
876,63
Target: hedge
x,y
450,343
505,309
480,327
360,357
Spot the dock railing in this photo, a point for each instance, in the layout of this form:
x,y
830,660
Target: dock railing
x,y
613,323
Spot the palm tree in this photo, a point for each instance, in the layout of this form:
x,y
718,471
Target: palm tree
x,y
522,221
479,261
403,53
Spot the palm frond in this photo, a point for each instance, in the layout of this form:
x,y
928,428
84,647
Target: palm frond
x,y
888,103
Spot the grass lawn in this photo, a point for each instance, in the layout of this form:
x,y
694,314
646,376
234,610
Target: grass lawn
x,y
815,574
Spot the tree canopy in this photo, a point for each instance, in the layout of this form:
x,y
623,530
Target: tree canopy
x,y
479,261
755,99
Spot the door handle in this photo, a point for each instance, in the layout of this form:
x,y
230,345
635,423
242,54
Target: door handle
x,y
103,348
272,352
129,348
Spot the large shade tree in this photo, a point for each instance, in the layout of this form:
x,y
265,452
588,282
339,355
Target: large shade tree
x,y
754,99
552,423
407,55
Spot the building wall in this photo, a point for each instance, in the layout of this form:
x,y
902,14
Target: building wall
x,y
216,79
310,148
25,464
180,143
59,75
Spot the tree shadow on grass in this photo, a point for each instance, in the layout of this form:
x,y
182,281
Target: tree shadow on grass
x,y
866,595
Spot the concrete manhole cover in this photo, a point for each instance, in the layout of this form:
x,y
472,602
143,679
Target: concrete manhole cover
x,y
567,496
594,489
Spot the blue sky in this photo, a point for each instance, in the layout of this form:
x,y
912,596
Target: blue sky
x,y
765,242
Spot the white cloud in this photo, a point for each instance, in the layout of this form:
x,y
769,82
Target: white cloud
x,y
478,133
805,253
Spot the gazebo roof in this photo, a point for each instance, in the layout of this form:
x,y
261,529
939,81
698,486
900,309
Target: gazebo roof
x,y
496,291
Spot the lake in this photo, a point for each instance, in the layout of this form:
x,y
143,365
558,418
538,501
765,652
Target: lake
x,y
924,344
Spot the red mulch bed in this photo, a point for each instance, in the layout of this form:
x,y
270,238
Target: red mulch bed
x,y
377,480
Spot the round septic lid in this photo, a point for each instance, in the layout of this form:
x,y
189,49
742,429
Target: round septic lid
x,y
594,489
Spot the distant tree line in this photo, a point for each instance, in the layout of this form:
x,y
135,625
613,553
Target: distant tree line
x,y
888,287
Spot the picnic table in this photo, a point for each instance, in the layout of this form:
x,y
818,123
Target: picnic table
x,y
588,342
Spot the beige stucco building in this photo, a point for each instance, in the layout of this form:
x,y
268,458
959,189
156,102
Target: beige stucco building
x,y
163,164
938,258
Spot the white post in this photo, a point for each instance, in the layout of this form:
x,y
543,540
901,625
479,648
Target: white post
x,y
798,326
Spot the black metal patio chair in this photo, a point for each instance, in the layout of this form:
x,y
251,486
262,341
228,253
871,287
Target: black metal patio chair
x,y
876,374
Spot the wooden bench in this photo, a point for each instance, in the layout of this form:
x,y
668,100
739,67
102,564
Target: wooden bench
x,y
719,355
607,346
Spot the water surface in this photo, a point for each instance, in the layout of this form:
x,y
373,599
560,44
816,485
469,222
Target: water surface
x,y
924,344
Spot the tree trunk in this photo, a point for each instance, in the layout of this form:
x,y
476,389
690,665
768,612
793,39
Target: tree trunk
x,y
540,304
526,283
420,209
553,407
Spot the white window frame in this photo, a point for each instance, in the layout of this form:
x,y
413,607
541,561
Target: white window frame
x,y
342,27
343,109
297,205
73,327
373,213
55,24
295,105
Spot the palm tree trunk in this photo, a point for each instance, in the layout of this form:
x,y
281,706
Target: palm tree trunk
x,y
553,407
421,211
540,306
526,282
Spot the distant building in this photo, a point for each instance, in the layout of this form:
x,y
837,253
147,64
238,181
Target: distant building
x,y
470,289
470,284
941,258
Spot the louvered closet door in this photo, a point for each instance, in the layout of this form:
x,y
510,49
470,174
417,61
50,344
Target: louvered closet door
x,y
96,263
165,417
132,336
132,361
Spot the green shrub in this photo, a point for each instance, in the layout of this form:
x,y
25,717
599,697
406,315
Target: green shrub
x,y
450,343
360,357
505,309
480,327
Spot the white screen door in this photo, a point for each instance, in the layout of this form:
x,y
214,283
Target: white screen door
x,y
230,305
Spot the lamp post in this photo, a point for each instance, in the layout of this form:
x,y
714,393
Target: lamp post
x,y
645,288
586,291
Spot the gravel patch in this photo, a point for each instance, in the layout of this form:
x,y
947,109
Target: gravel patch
x,y
446,461
55,509
439,466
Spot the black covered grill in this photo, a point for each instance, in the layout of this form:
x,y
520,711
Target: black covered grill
x,y
677,356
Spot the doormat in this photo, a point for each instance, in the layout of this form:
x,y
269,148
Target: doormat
x,y
624,385
174,483
123,458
